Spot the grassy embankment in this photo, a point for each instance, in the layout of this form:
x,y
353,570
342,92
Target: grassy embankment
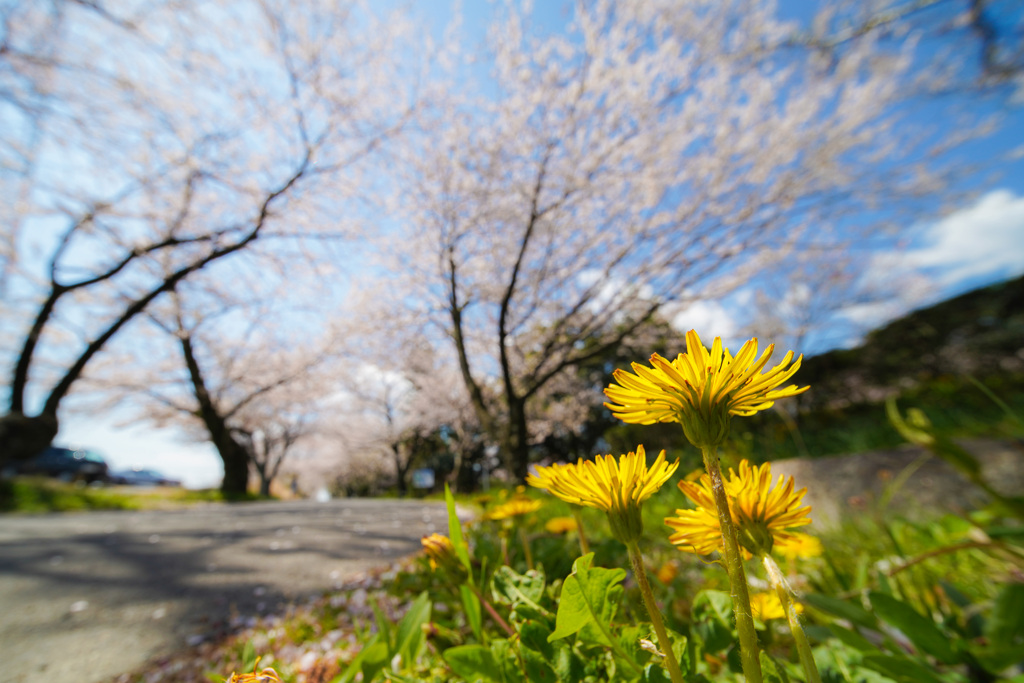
x,y
39,494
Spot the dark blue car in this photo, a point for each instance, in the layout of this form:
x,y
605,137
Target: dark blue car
x,y
67,464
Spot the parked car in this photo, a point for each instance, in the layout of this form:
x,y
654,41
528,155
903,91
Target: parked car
x,y
69,464
137,476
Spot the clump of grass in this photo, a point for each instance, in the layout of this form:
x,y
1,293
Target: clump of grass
x,y
37,494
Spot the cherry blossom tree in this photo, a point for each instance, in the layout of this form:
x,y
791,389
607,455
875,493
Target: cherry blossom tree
x,y
229,375
407,412
651,155
144,144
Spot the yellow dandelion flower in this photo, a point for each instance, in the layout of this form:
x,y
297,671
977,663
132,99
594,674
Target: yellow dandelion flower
x,y
701,390
441,553
800,545
763,513
618,488
517,507
767,606
268,675
560,525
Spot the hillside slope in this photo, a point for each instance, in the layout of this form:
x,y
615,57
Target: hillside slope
x,y
980,333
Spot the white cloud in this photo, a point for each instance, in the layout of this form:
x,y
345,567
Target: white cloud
x,y
709,318
986,239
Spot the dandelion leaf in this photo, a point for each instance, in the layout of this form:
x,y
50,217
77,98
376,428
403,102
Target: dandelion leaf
x,y
512,588
589,600
921,630
712,619
473,662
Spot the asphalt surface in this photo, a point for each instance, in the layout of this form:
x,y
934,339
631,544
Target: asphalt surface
x,y
85,597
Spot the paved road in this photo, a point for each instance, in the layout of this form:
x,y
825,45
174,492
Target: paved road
x,y
84,597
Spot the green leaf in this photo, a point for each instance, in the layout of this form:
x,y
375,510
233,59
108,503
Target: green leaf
x,y
376,658
248,656
510,587
471,606
656,673
537,667
921,630
841,608
1013,533
1005,628
900,669
455,532
409,637
712,619
851,638
525,612
506,657
562,657
772,672
383,624
589,596
473,662
534,635
369,661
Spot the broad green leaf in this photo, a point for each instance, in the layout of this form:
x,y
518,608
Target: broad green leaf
x,y
409,636
684,652
996,658
510,587
525,612
1005,628
900,669
546,660
473,662
589,596
851,638
534,635
375,659
506,657
471,607
455,532
1005,532
712,619
772,672
843,609
921,630
537,667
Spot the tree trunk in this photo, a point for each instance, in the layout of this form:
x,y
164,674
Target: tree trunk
x,y
22,437
466,478
517,442
233,454
236,467
401,470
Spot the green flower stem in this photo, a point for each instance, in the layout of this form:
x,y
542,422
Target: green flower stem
x,y
526,547
782,589
640,573
578,516
493,612
734,568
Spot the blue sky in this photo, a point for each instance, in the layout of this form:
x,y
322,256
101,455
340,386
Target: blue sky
x,y
979,241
